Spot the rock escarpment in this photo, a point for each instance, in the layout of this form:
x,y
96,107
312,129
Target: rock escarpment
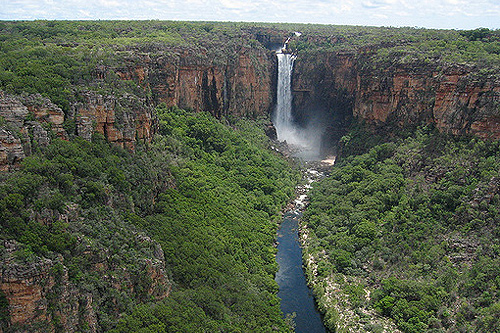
x,y
42,293
239,84
456,98
26,122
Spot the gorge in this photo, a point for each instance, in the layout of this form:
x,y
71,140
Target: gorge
x,y
329,88
189,191
296,298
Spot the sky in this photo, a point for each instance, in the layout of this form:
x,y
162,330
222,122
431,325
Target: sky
x,y
440,14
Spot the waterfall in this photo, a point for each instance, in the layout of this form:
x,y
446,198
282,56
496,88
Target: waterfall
x,y
283,120
306,141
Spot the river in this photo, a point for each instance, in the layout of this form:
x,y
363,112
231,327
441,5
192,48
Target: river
x,y
296,297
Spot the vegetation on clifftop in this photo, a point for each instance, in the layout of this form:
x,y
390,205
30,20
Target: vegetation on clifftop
x,y
388,46
59,59
63,59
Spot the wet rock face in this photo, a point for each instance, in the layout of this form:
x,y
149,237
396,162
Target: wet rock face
x,y
456,98
324,90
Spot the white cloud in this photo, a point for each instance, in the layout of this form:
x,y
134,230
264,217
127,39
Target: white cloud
x,y
429,13
379,3
109,3
240,6
85,13
403,13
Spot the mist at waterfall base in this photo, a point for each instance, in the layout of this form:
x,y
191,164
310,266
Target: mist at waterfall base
x,y
305,141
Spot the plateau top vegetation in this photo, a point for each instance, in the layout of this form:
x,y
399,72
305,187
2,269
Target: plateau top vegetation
x,y
54,57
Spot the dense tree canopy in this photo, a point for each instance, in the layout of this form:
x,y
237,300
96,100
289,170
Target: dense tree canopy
x,y
208,193
416,223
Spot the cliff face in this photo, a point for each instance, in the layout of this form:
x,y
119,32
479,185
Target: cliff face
x,y
456,98
40,292
123,120
26,122
239,84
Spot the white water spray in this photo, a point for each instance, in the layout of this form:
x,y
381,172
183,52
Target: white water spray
x,y
283,116
305,140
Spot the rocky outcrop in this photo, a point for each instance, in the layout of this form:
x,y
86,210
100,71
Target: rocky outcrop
x,y
457,99
26,122
32,288
45,112
40,293
29,121
123,120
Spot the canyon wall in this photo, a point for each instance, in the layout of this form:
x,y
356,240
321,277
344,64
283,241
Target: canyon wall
x,y
43,297
240,84
236,76
457,98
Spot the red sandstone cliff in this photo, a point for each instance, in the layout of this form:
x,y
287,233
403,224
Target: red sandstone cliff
x,y
239,83
42,298
458,99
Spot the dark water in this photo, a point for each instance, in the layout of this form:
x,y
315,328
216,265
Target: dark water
x,y
294,293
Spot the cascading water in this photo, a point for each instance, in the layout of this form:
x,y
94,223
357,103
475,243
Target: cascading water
x,y
306,141
283,121
296,297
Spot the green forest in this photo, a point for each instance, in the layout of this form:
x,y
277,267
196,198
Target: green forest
x,y
208,193
414,222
